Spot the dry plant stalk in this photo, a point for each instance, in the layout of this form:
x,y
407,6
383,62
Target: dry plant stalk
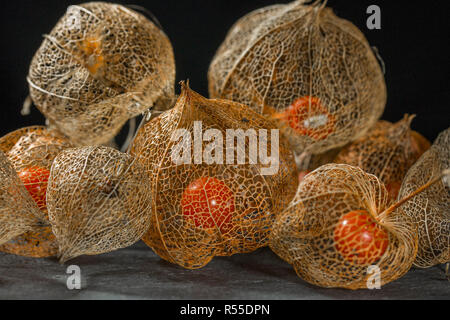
x,y
100,65
18,212
338,225
98,200
212,207
388,151
430,209
31,151
304,66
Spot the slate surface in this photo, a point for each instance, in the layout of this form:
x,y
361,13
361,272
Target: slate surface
x,y
137,273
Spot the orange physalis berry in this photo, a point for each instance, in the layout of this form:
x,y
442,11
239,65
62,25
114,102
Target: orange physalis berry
x,y
91,48
208,203
359,239
35,180
307,116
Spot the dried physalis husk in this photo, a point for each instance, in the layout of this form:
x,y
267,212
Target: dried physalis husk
x,y
18,212
304,66
430,209
387,151
213,196
100,65
98,200
339,229
31,151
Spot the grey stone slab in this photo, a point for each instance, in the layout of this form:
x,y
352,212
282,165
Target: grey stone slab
x,y
137,273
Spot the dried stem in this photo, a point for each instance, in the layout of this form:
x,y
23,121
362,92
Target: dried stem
x,y
413,194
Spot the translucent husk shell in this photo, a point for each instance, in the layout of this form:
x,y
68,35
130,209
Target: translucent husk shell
x,y
387,151
100,65
25,148
278,54
18,212
430,209
304,234
98,200
257,197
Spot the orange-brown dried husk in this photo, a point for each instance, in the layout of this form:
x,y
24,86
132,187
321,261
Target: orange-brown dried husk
x,y
279,53
100,65
258,198
419,142
387,151
430,209
303,235
98,200
18,212
25,148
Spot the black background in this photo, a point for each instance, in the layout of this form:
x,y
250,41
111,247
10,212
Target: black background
x,y
413,41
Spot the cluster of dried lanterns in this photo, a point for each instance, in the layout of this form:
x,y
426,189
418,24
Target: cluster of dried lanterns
x,y
349,190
